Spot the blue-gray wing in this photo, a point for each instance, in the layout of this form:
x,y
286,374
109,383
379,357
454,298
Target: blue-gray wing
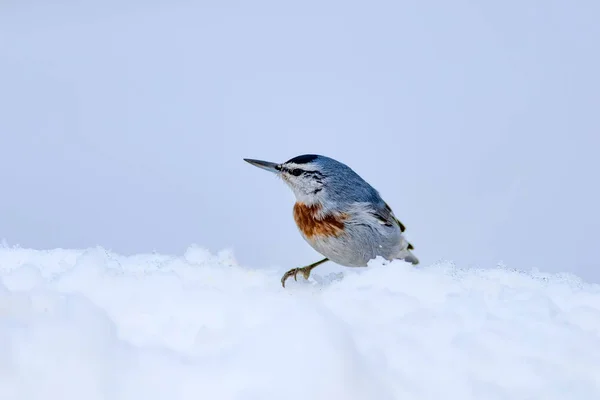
x,y
385,216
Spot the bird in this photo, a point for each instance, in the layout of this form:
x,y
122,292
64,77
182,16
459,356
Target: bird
x,y
339,214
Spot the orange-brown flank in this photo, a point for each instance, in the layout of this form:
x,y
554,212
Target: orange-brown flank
x,y
312,224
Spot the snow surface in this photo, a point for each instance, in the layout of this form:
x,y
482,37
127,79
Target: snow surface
x,y
91,324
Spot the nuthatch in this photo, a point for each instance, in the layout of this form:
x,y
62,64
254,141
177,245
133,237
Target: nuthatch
x,y
339,214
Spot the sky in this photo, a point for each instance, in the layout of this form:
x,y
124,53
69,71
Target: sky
x,y
124,124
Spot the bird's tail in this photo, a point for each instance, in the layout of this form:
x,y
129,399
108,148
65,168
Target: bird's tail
x,y
411,258
408,256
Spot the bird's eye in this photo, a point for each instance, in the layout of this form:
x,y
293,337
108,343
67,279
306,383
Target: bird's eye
x,y
296,172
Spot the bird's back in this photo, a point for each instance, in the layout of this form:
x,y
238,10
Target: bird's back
x,y
345,186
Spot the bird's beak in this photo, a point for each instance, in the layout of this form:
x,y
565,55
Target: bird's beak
x,y
266,165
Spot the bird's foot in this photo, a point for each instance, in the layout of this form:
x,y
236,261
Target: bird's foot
x,y
304,270
294,272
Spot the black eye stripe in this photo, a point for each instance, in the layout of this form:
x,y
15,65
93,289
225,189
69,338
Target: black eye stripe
x,y
293,171
314,173
298,171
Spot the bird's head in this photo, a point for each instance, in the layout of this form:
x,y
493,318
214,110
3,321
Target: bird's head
x,y
307,175
320,179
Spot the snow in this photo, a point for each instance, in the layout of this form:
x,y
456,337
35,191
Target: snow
x,y
91,324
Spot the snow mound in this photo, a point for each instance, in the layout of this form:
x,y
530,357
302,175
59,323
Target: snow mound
x,y
91,324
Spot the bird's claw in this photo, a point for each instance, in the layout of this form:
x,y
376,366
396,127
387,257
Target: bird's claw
x,y
294,272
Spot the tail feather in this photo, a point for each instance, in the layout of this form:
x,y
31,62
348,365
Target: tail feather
x,y
411,258
408,256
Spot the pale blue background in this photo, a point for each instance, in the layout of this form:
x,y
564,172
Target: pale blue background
x,y
124,124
